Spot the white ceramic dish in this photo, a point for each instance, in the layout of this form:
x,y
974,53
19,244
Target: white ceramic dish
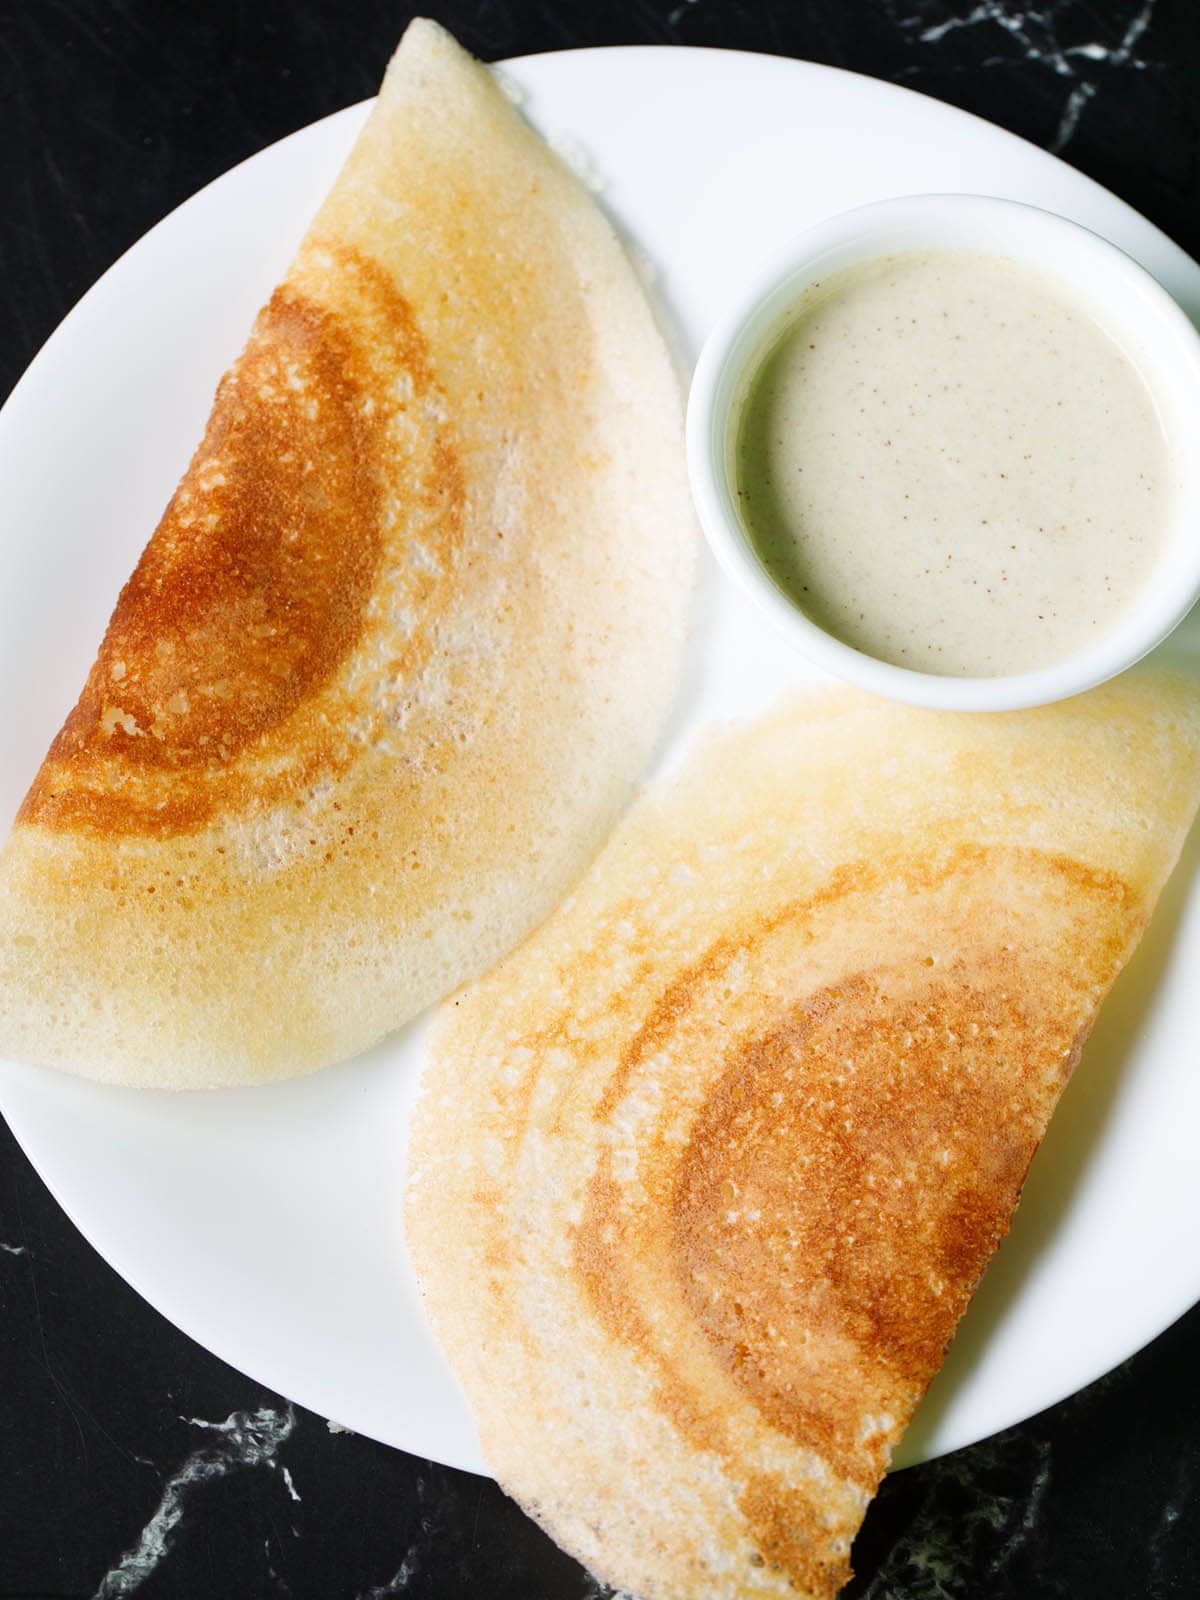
x,y
1123,298
266,1223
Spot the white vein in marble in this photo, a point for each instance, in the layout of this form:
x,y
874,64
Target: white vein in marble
x,y
979,1510
1179,1509
399,1581
1035,32
280,1582
14,1249
599,1591
245,1439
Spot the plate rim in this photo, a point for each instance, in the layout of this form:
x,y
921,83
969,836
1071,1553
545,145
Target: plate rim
x,y
62,333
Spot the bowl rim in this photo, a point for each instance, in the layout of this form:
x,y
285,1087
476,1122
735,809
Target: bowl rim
x,y
1142,317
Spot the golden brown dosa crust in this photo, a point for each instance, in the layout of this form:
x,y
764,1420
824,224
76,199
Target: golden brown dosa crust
x,y
704,1176
390,665
254,587
854,1165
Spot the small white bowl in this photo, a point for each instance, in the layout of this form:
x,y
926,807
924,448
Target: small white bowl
x,y
1135,311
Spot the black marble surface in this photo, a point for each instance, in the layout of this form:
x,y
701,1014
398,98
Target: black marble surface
x,y
130,1460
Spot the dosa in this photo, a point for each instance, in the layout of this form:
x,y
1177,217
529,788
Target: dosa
x,y
390,665
704,1176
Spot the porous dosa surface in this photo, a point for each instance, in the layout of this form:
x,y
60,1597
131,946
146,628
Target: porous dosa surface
x,y
704,1175
401,644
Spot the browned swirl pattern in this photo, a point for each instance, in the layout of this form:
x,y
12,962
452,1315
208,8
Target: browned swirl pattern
x,y
394,657
252,591
705,1174
832,1194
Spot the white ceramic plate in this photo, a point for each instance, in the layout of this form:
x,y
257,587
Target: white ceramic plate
x,y
266,1223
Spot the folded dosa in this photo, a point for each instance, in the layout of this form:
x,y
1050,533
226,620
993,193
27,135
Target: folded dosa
x,y
703,1177
399,648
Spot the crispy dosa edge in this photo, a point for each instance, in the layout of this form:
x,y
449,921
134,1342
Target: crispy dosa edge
x,y
388,668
